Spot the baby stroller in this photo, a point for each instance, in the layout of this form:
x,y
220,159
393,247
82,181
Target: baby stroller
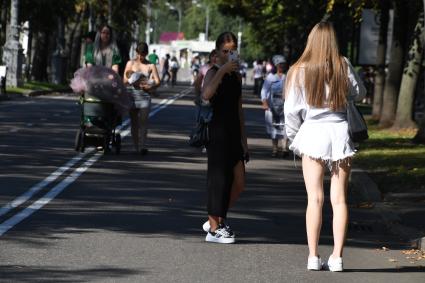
x,y
97,125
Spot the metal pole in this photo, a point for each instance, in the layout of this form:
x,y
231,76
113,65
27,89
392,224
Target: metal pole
x,y
239,42
179,11
109,12
91,20
207,20
148,22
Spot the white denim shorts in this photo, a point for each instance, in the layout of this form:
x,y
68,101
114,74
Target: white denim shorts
x,y
326,141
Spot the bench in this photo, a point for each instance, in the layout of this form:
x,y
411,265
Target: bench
x,y
3,73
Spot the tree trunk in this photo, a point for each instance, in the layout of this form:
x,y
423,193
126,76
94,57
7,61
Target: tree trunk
x,y
3,22
410,79
380,61
39,62
395,68
74,41
29,53
420,135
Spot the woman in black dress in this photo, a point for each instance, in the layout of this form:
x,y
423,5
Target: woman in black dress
x,y
228,148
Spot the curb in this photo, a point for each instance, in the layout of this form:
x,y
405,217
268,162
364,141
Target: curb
x,y
369,192
44,92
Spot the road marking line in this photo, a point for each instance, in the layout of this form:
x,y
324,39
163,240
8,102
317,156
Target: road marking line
x,y
17,218
39,186
12,221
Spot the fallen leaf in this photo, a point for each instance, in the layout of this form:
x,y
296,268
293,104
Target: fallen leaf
x,y
366,205
392,260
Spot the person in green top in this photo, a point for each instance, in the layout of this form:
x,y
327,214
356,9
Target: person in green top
x,y
104,50
153,58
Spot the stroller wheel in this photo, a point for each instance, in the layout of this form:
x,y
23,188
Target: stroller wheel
x,y
77,142
117,143
82,141
106,148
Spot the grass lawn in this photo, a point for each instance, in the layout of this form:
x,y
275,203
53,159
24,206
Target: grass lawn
x,y
32,85
392,160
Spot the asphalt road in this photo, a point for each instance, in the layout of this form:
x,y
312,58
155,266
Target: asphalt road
x,y
132,218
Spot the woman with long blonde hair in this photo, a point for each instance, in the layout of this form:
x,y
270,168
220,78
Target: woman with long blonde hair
x,y
318,87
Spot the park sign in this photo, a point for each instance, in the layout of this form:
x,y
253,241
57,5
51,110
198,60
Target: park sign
x,y
369,37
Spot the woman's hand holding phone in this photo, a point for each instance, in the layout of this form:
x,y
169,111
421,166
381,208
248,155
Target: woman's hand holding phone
x,y
231,66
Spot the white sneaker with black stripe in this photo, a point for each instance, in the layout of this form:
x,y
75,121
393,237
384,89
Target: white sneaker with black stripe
x,y
206,227
221,236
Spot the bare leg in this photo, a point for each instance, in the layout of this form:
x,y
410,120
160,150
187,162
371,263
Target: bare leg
x,y
238,184
285,144
339,184
274,147
143,122
134,117
313,172
214,222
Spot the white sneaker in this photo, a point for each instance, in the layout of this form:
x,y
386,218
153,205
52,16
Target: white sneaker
x,y
314,263
335,264
206,227
221,236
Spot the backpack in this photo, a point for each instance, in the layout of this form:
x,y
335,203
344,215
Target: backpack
x,y
276,101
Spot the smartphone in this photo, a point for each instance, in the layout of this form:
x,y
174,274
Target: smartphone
x,y
233,55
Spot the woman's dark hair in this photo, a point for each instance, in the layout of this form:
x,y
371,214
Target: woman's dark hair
x,y
112,42
142,48
111,32
212,53
225,37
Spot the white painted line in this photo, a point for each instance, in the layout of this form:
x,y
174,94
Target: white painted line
x,y
36,188
17,218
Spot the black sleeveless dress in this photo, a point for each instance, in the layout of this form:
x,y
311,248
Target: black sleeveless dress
x,y
225,148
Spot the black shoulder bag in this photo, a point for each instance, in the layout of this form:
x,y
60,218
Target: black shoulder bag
x,y
357,127
200,134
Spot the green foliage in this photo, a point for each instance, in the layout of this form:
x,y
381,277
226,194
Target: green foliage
x,y
43,14
281,26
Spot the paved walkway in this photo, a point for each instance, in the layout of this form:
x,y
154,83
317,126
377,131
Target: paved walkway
x,y
138,219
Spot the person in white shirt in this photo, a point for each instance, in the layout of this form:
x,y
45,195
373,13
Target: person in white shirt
x,y
258,75
317,89
272,103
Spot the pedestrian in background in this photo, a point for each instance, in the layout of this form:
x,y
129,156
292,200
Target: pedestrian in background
x,y
104,51
143,75
227,148
153,58
243,69
258,76
174,67
166,69
199,81
272,103
317,89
